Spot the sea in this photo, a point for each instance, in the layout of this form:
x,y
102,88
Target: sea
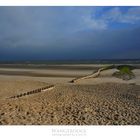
x,y
95,61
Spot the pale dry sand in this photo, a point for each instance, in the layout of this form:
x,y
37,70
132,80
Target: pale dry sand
x,y
102,100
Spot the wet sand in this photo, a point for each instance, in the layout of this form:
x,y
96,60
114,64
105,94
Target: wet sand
x,y
105,100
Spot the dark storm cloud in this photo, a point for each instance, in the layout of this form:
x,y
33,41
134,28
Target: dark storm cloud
x,y
69,32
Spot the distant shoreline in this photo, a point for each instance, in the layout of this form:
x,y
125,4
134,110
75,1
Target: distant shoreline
x,y
63,66
80,61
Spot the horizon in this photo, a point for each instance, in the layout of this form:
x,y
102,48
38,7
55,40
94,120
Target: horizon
x,y
69,33
86,61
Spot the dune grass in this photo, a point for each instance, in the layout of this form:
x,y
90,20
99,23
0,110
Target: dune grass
x,y
125,72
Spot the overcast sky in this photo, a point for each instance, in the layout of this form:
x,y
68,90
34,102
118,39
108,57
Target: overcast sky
x,y
55,33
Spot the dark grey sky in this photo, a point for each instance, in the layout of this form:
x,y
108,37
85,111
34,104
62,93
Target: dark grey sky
x,y
42,33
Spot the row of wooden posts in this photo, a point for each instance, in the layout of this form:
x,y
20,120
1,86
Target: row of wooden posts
x,y
32,92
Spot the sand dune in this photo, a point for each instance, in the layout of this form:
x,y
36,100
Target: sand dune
x,y
102,100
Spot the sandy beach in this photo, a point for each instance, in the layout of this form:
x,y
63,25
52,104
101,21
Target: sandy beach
x,y
104,100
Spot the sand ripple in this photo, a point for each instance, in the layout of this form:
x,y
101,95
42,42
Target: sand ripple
x,y
106,103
